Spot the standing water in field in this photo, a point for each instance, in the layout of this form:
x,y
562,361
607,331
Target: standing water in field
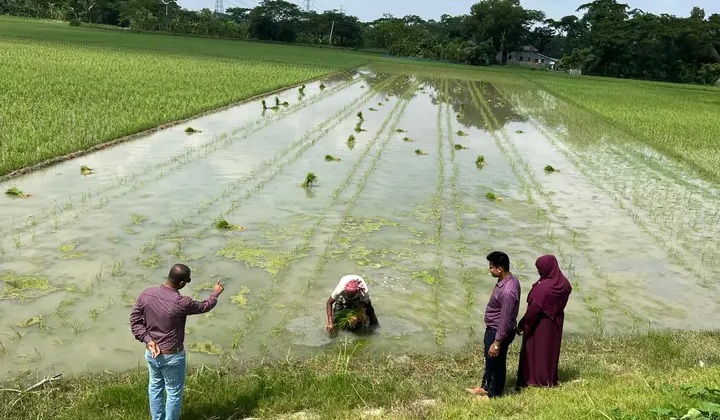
x,y
228,200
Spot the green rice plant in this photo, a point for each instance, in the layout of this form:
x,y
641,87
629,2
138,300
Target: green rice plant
x,y
190,130
322,86
358,127
16,192
420,152
550,169
331,158
85,170
461,133
492,196
118,268
360,115
480,161
400,130
459,147
519,132
407,139
221,223
310,179
350,319
372,109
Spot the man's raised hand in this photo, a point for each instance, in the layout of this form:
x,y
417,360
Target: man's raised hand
x,y
218,287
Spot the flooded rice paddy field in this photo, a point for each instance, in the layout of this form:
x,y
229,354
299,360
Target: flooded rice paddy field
x,y
634,232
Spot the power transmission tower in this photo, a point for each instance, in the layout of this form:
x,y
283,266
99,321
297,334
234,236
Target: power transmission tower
x,y
308,5
219,8
341,9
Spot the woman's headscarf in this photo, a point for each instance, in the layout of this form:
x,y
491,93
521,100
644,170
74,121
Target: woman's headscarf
x,y
552,291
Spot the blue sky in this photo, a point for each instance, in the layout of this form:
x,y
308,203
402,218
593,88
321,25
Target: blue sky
x,y
368,10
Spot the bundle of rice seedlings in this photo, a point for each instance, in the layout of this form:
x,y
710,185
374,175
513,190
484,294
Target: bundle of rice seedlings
x,y
348,319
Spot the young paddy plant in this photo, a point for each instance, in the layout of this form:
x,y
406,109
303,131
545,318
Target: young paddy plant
x,y
85,170
407,140
16,192
331,158
459,147
310,180
190,130
480,161
550,169
420,152
221,223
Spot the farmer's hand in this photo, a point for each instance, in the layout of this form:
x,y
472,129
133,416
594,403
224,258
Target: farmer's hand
x,y
330,328
494,349
154,349
218,287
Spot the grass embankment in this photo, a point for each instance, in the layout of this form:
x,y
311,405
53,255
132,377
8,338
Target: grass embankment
x,y
66,89
603,378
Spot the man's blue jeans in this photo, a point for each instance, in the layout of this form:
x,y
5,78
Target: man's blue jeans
x,y
167,373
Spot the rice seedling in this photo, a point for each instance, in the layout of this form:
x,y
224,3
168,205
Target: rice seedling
x,y
118,268
331,158
550,169
492,196
351,319
221,223
16,192
519,132
461,133
85,170
302,90
322,86
278,103
459,147
400,130
407,139
360,115
420,152
358,127
372,109
480,161
190,130
207,347
310,180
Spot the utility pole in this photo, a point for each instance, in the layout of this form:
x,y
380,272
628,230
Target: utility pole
x,y
332,28
219,8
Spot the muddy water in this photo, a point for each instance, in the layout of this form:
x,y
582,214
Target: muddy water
x,y
417,227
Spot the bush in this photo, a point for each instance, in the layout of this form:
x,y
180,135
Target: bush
x,y
74,22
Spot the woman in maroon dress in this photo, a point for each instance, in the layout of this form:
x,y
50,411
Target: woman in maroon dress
x,y
542,326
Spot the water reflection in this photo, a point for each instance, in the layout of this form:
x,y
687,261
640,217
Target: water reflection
x,y
461,94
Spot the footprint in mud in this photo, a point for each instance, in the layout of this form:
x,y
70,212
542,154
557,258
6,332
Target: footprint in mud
x,y
310,331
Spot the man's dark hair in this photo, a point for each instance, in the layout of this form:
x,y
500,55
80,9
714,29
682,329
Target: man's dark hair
x,y
499,259
179,273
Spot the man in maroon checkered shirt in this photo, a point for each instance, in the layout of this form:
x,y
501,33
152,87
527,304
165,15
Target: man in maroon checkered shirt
x,y
158,320
500,322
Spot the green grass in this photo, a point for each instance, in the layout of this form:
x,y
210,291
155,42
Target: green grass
x,y
616,378
104,84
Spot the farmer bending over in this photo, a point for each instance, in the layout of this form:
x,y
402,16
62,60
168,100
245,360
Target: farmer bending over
x,y
351,293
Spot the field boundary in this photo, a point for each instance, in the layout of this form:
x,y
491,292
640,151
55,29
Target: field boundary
x,y
134,136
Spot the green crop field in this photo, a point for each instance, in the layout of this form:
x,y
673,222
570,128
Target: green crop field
x,y
406,173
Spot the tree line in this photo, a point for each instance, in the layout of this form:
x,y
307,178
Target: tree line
x,y
608,39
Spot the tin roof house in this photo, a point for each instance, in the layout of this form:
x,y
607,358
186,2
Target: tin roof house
x,y
529,56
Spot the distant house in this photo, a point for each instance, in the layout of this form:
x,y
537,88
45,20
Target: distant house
x,y
529,56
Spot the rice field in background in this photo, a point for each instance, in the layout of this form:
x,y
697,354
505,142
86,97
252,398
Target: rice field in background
x,y
407,175
105,84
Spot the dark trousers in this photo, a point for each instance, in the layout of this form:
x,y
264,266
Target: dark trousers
x,y
496,367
